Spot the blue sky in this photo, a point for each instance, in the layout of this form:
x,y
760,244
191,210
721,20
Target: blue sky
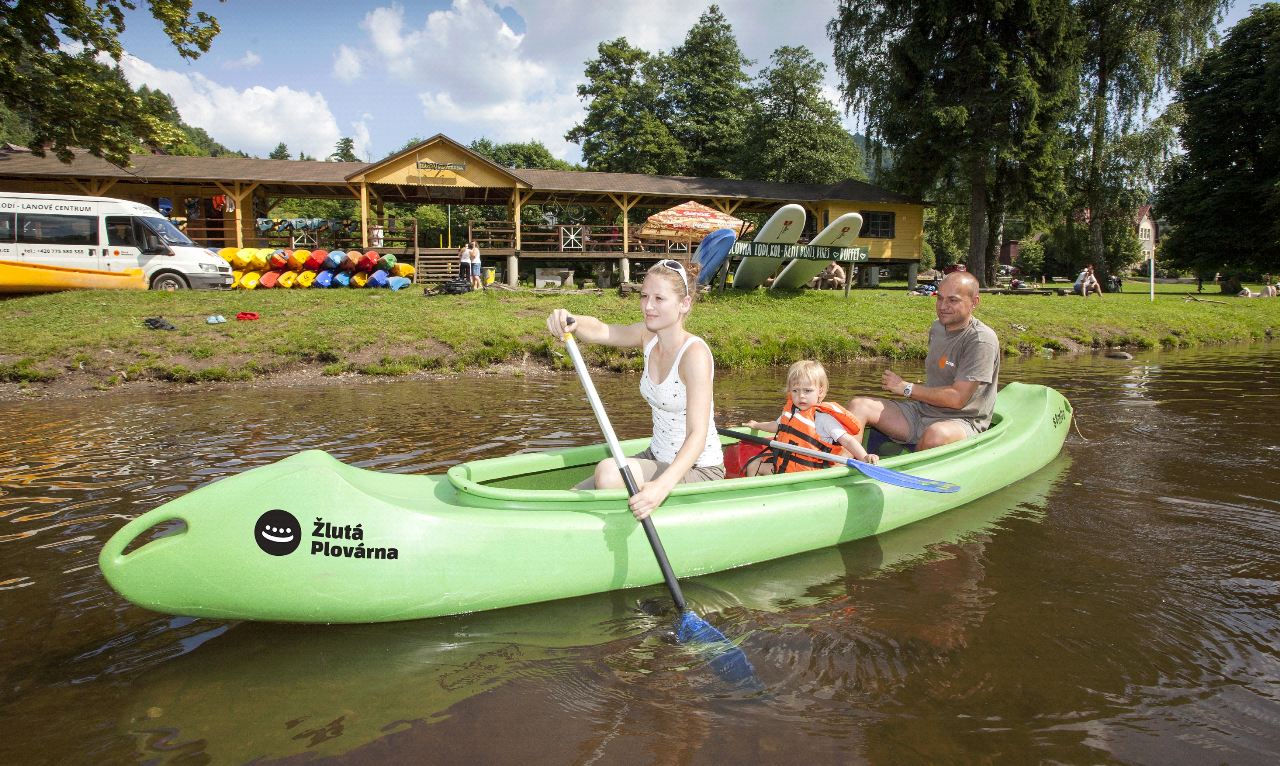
x,y
307,73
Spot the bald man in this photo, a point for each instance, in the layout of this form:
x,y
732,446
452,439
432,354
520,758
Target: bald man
x,y
961,374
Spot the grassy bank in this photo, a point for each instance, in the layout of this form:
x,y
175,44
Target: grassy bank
x,y
98,338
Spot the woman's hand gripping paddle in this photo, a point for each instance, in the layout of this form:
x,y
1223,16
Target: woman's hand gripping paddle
x,y
886,475
728,661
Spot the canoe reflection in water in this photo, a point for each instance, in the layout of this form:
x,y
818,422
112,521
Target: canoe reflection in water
x,y
862,616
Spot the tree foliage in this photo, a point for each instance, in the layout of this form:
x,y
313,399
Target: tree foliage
x,y
533,154
1132,50
281,152
976,92
344,151
50,48
1222,196
794,132
624,130
706,89
190,141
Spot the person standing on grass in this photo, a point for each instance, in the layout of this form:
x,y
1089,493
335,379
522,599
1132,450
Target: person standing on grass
x,y
477,281
464,262
677,384
962,373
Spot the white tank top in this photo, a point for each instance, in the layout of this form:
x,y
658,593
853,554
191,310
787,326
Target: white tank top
x,y
669,400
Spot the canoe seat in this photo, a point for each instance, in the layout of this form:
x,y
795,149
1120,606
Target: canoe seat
x,y
883,446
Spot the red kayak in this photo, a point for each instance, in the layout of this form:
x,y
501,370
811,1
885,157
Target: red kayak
x,y
270,279
369,262
315,260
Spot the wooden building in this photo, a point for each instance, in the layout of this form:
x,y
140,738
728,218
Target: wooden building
x,y
234,193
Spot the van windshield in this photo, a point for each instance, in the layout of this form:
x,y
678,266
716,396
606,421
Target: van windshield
x,y
167,232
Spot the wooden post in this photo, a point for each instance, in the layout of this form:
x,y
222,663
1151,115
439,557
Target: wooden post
x,y
848,280
238,192
624,263
364,215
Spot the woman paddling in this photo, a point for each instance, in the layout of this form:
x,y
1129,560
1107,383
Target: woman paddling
x,y
677,384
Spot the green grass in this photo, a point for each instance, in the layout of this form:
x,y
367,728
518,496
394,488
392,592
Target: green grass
x,y
395,333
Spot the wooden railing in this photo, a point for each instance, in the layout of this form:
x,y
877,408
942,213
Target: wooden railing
x,y
384,233
568,239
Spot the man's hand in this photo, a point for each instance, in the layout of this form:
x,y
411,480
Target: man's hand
x,y
892,382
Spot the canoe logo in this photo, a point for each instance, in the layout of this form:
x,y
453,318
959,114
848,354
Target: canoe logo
x,y
277,532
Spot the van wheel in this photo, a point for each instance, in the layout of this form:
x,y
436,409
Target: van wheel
x,y
168,282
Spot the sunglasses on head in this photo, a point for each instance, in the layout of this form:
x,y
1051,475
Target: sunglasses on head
x,y
677,267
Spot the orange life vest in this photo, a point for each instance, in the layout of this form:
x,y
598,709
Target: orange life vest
x,y
796,426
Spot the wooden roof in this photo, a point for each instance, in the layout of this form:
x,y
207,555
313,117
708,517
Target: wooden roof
x,y
489,183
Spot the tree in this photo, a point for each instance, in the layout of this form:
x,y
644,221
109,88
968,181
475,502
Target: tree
x,y
1222,196
304,157
190,141
706,88
281,152
345,151
794,133
623,131
975,92
49,49
533,154
1132,51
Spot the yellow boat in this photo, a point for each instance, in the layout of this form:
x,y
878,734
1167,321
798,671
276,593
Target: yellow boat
x,y
228,254
250,280
287,279
402,270
305,279
258,259
298,260
359,279
235,278
240,258
16,277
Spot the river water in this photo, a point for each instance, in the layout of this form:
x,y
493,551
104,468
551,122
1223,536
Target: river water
x,y
1119,606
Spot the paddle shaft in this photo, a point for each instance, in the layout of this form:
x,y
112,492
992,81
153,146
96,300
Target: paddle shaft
x,y
616,450
813,453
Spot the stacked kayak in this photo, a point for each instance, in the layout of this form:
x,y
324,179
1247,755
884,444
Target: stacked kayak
x,y
264,268
310,539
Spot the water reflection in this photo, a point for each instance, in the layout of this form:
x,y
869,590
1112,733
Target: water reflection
x,y
1118,606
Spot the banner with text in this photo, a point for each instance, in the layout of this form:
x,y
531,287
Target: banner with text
x,y
804,252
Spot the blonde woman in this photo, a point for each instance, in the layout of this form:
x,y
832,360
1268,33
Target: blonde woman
x,y
677,384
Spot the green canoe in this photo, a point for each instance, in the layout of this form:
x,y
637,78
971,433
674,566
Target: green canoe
x,y
310,539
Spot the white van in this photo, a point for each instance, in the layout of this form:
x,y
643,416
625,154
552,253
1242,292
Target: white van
x,y
106,235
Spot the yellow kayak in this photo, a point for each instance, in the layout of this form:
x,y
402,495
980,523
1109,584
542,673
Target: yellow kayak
x,y
240,257
228,254
287,279
235,278
305,279
250,280
298,260
402,270
359,279
18,277
258,261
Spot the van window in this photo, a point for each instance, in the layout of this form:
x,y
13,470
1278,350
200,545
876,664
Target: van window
x,y
146,238
120,231
6,227
38,229
167,232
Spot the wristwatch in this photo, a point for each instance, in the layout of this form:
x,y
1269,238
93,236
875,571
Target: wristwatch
x,y
906,391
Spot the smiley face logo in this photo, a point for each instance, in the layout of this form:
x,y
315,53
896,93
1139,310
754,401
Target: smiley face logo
x,y
277,532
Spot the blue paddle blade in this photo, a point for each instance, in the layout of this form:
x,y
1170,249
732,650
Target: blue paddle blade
x,y
899,479
726,660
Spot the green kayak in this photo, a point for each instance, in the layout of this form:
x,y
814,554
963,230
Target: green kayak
x,y
310,539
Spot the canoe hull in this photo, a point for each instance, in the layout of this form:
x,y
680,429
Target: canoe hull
x,y
310,539
17,277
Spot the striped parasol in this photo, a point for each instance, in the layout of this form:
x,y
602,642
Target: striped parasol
x,y
691,221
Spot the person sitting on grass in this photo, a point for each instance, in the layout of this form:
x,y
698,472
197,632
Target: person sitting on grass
x,y
807,422
1268,291
832,277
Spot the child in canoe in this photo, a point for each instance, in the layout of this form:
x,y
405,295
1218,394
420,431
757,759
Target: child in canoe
x,y
807,422
677,384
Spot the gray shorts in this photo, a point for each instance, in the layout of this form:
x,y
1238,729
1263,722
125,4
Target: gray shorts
x,y
650,468
918,423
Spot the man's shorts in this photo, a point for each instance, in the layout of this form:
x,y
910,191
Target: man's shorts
x,y
918,423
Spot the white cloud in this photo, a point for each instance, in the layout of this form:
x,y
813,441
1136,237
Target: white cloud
x,y
253,120
249,61
361,139
347,65
476,76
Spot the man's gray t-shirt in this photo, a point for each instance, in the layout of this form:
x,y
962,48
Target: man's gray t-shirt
x,y
970,353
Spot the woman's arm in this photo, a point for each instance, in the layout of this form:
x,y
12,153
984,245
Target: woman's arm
x,y
696,372
591,330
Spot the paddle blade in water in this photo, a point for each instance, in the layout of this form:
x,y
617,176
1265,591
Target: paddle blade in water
x,y
899,479
726,660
